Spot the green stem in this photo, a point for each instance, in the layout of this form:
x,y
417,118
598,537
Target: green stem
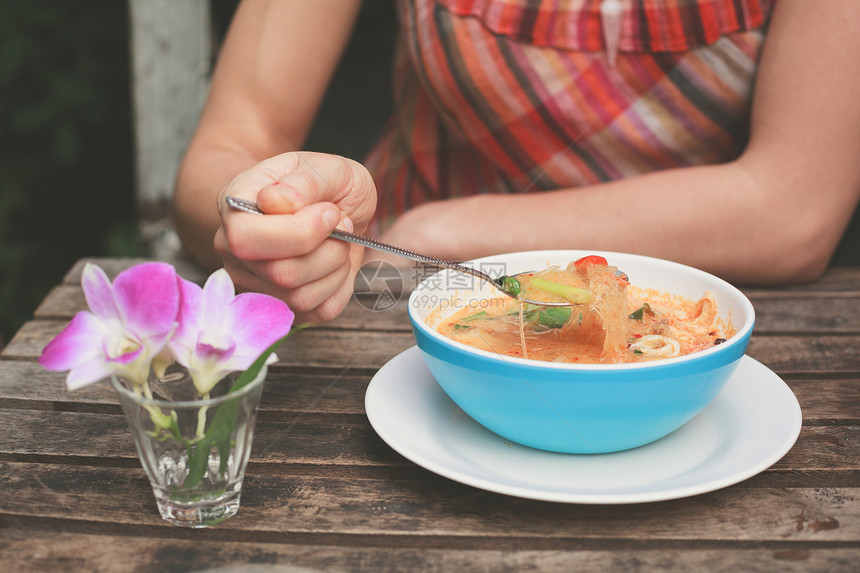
x,y
569,293
201,416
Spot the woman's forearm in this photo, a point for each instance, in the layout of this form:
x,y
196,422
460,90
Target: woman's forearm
x,y
718,218
203,173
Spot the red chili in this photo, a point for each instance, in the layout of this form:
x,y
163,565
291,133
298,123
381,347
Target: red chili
x,y
590,260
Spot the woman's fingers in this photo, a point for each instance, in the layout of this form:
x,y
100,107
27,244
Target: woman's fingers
x,y
310,178
320,299
253,238
293,272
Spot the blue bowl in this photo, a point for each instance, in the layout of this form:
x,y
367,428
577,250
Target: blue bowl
x,y
577,408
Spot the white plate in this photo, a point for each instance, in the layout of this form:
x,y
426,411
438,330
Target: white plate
x,y
748,427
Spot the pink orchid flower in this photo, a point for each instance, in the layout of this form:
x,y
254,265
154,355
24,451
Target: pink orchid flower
x,y
125,330
220,332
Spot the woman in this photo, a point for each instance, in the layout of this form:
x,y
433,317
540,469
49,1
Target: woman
x,y
520,125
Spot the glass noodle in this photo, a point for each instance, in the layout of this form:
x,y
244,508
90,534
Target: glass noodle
x,y
620,323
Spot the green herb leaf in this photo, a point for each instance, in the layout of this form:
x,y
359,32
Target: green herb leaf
x,y
509,285
554,316
639,313
475,316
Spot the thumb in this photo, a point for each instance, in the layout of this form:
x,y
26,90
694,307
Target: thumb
x,y
311,178
277,198
318,178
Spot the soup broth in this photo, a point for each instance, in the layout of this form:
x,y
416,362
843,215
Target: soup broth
x,y
622,323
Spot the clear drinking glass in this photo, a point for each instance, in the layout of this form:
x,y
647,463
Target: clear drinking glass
x,y
194,451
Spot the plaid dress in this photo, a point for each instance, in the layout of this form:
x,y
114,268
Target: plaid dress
x,y
510,96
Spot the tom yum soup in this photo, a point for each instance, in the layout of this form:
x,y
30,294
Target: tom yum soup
x,y
609,320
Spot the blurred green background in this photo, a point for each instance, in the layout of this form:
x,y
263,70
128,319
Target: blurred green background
x,y
66,141
66,166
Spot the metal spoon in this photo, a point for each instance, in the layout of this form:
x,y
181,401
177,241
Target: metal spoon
x,y
503,283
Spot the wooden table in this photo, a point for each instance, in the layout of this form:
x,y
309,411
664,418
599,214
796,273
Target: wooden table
x,y
324,492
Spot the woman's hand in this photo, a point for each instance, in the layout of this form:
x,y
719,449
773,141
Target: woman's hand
x,y
287,253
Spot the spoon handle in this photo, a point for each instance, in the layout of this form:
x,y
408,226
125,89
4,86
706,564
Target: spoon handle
x,y
251,207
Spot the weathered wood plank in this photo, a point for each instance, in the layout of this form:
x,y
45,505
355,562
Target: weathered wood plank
x,y
342,350
787,312
828,401
836,282
438,507
112,266
64,301
315,347
293,438
40,551
828,355
107,437
397,280
25,384
807,317
781,315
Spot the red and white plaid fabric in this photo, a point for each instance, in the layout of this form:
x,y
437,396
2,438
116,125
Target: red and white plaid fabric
x,y
508,96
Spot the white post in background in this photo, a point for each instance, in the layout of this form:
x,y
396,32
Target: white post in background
x,y
171,59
